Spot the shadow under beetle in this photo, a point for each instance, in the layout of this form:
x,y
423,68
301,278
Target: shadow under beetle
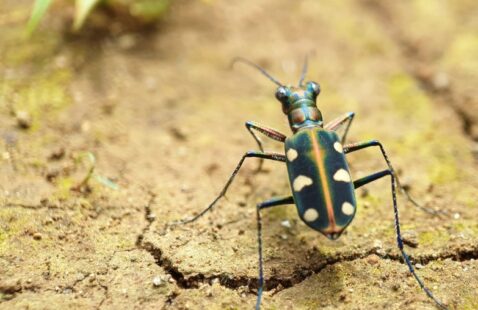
x,y
322,188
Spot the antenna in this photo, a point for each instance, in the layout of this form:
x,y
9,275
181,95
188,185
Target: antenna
x,y
250,63
304,72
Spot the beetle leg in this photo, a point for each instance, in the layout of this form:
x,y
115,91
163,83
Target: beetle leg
x,y
262,155
349,148
370,178
337,123
276,201
378,175
269,132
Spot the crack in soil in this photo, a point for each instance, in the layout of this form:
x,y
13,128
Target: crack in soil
x,y
416,61
106,295
149,217
299,275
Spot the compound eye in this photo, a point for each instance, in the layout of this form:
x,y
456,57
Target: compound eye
x,y
281,94
314,87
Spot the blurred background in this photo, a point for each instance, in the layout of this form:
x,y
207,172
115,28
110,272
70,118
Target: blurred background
x,y
118,117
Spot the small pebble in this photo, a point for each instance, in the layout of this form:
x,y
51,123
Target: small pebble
x,y
37,236
67,290
157,281
80,277
381,252
377,244
24,120
373,259
456,216
410,238
419,266
286,224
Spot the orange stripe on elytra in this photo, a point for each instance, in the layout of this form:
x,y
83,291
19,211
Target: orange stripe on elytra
x,y
324,179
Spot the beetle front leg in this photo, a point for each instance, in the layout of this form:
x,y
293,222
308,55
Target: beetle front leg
x,y
349,148
376,176
262,155
337,123
269,132
266,204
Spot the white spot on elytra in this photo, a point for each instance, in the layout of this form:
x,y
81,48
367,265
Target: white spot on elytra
x,y
300,182
338,147
311,215
347,208
292,154
342,175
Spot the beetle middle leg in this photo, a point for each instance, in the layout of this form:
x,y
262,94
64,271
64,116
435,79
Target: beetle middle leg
x,y
365,180
256,154
337,123
269,132
349,148
277,201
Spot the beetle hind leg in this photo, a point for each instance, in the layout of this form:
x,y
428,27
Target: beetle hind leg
x,y
277,201
373,177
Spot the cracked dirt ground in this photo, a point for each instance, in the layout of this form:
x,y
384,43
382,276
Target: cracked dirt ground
x,y
164,116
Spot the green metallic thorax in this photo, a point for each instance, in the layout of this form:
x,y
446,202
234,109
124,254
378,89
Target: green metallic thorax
x,y
301,109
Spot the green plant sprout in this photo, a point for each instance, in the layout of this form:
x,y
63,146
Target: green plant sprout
x,y
91,173
144,10
82,9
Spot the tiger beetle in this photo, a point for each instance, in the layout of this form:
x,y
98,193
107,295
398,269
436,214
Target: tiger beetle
x,y
319,175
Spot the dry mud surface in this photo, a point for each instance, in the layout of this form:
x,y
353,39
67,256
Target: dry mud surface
x,y
164,116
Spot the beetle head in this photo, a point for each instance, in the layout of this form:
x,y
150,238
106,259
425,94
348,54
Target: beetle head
x,y
299,104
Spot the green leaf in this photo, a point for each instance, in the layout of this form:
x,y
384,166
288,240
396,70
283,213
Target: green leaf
x,y
82,10
149,10
106,182
39,9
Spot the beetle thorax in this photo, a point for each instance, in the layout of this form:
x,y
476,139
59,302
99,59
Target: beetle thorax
x,y
304,115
